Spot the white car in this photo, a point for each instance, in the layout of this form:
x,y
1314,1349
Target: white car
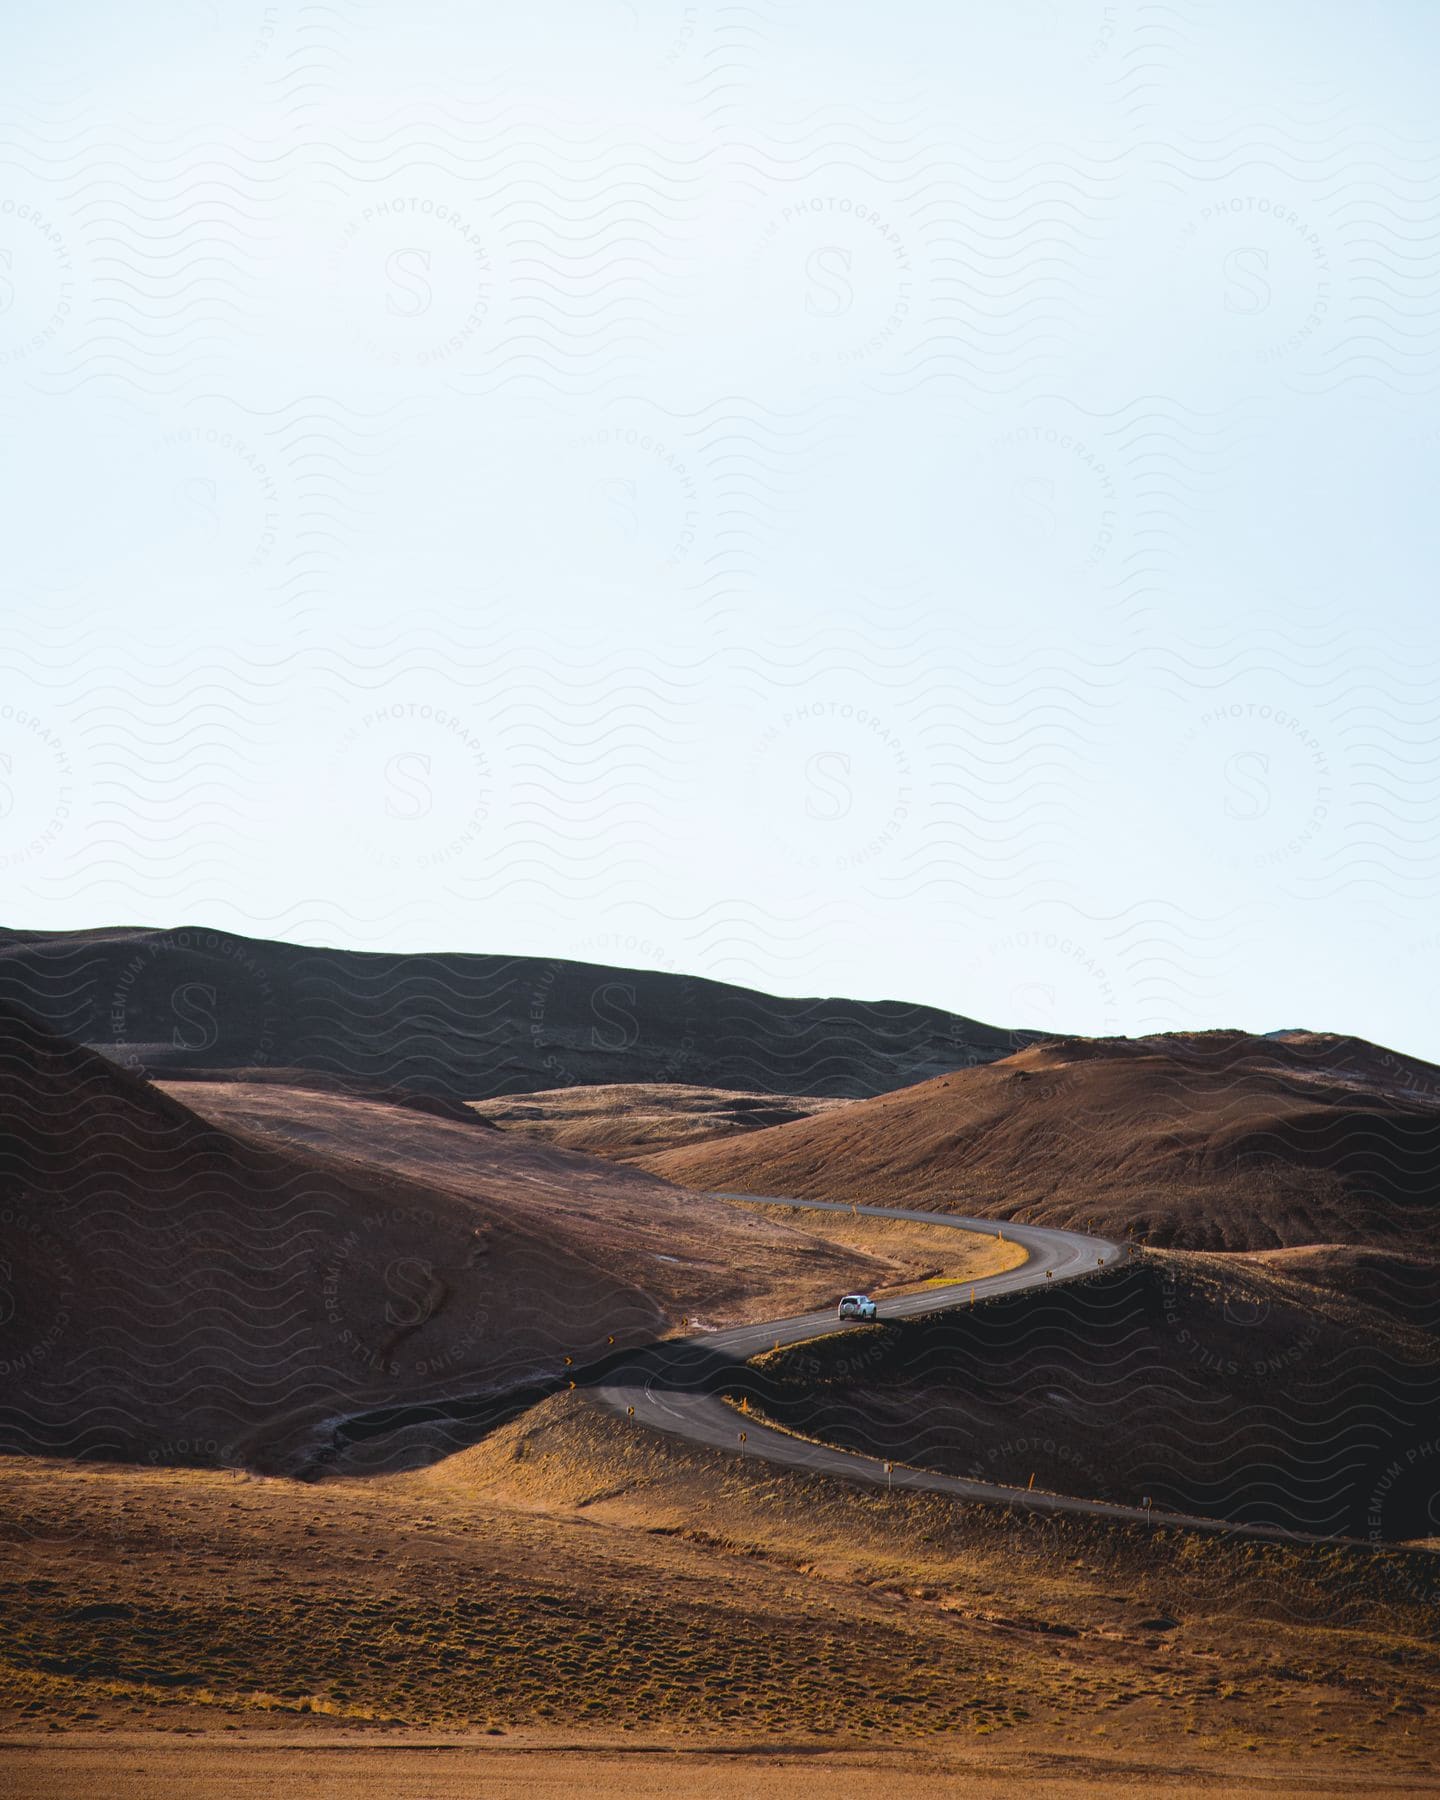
x,y
856,1306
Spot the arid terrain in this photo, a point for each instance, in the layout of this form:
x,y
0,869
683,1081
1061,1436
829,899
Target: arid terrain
x,y
193,1001
1269,1365
1193,1140
570,1581
638,1118
1211,1384
230,1283
299,1491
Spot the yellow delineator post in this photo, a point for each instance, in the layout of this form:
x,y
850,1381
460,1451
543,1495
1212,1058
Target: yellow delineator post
x,y
1032,1481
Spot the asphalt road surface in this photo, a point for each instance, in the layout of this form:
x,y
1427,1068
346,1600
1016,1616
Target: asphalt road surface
x,y
677,1386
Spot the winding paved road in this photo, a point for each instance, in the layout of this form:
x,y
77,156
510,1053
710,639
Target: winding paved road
x,y
672,1387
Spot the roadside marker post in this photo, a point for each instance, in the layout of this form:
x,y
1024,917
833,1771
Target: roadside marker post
x,y
1032,1482
889,1471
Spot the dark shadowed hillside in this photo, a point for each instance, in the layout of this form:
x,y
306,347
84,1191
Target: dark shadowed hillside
x,y
182,1290
1212,1384
189,1001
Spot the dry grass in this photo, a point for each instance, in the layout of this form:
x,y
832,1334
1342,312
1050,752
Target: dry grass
x,y
640,1118
1202,1140
573,1571
918,1254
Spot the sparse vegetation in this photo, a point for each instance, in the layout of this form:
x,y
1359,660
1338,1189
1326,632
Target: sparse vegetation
x,y
574,1569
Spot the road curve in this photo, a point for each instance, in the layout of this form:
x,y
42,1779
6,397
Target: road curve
x,y
674,1386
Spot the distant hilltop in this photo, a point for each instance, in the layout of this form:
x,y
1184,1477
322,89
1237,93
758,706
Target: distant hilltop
x,y
191,1001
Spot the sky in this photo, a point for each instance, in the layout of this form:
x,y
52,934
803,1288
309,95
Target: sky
x,y
923,502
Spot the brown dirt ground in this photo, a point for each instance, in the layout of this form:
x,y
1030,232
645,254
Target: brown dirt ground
x,y
219,1288
534,1766
917,1253
1201,1141
574,1576
1216,1384
693,1256
642,1117
717,1625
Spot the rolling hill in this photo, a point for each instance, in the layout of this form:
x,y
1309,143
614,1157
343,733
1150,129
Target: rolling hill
x,y
637,1118
1201,1140
1227,1385
178,1289
193,1001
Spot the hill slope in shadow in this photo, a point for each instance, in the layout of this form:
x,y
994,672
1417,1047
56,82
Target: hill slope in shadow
x,y
177,1289
1213,1384
188,1001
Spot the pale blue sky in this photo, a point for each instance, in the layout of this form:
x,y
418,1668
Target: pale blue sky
x,y
931,502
